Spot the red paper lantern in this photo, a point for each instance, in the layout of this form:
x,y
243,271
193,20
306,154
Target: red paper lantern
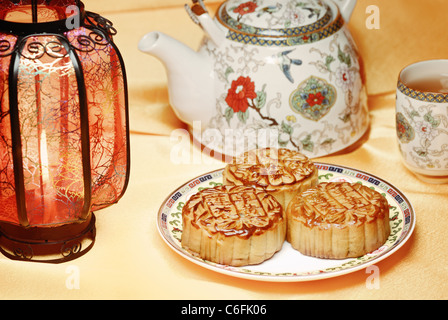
x,y
64,133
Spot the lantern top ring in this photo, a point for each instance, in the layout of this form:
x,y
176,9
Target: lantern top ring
x,y
73,16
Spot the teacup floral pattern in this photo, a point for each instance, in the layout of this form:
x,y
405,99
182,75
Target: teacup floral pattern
x,y
405,132
422,130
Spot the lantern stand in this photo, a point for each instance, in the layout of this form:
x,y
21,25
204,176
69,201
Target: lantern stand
x,y
48,189
50,245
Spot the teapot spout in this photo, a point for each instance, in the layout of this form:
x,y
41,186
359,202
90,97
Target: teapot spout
x,y
190,86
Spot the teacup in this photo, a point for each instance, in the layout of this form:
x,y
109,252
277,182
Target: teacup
x,y
422,119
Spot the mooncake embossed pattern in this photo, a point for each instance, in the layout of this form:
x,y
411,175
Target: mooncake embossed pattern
x,y
233,225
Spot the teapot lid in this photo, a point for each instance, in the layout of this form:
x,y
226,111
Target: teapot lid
x,y
274,18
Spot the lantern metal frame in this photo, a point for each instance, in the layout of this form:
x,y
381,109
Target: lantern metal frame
x,y
67,241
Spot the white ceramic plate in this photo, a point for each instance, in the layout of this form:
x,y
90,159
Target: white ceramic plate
x,y
289,265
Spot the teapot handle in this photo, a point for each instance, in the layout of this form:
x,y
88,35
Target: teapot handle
x,y
346,8
196,10
199,14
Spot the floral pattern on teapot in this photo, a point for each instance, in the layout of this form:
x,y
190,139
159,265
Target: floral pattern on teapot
x,y
313,98
263,18
302,23
253,102
281,73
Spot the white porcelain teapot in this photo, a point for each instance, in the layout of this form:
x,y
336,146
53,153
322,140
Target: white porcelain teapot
x,y
282,73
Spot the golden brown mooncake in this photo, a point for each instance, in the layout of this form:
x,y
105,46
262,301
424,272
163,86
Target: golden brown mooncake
x,y
338,220
233,225
281,172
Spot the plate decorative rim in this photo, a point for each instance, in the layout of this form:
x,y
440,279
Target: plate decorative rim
x,y
401,230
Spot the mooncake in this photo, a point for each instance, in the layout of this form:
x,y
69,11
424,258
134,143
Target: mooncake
x,y
280,172
233,225
338,220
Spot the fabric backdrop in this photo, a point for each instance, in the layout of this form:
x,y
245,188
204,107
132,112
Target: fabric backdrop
x,y
131,261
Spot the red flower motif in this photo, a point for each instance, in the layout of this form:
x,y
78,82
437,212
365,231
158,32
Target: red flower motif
x,y
241,90
314,99
245,8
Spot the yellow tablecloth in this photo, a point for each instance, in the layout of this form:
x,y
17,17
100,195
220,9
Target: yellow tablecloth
x,y
131,261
